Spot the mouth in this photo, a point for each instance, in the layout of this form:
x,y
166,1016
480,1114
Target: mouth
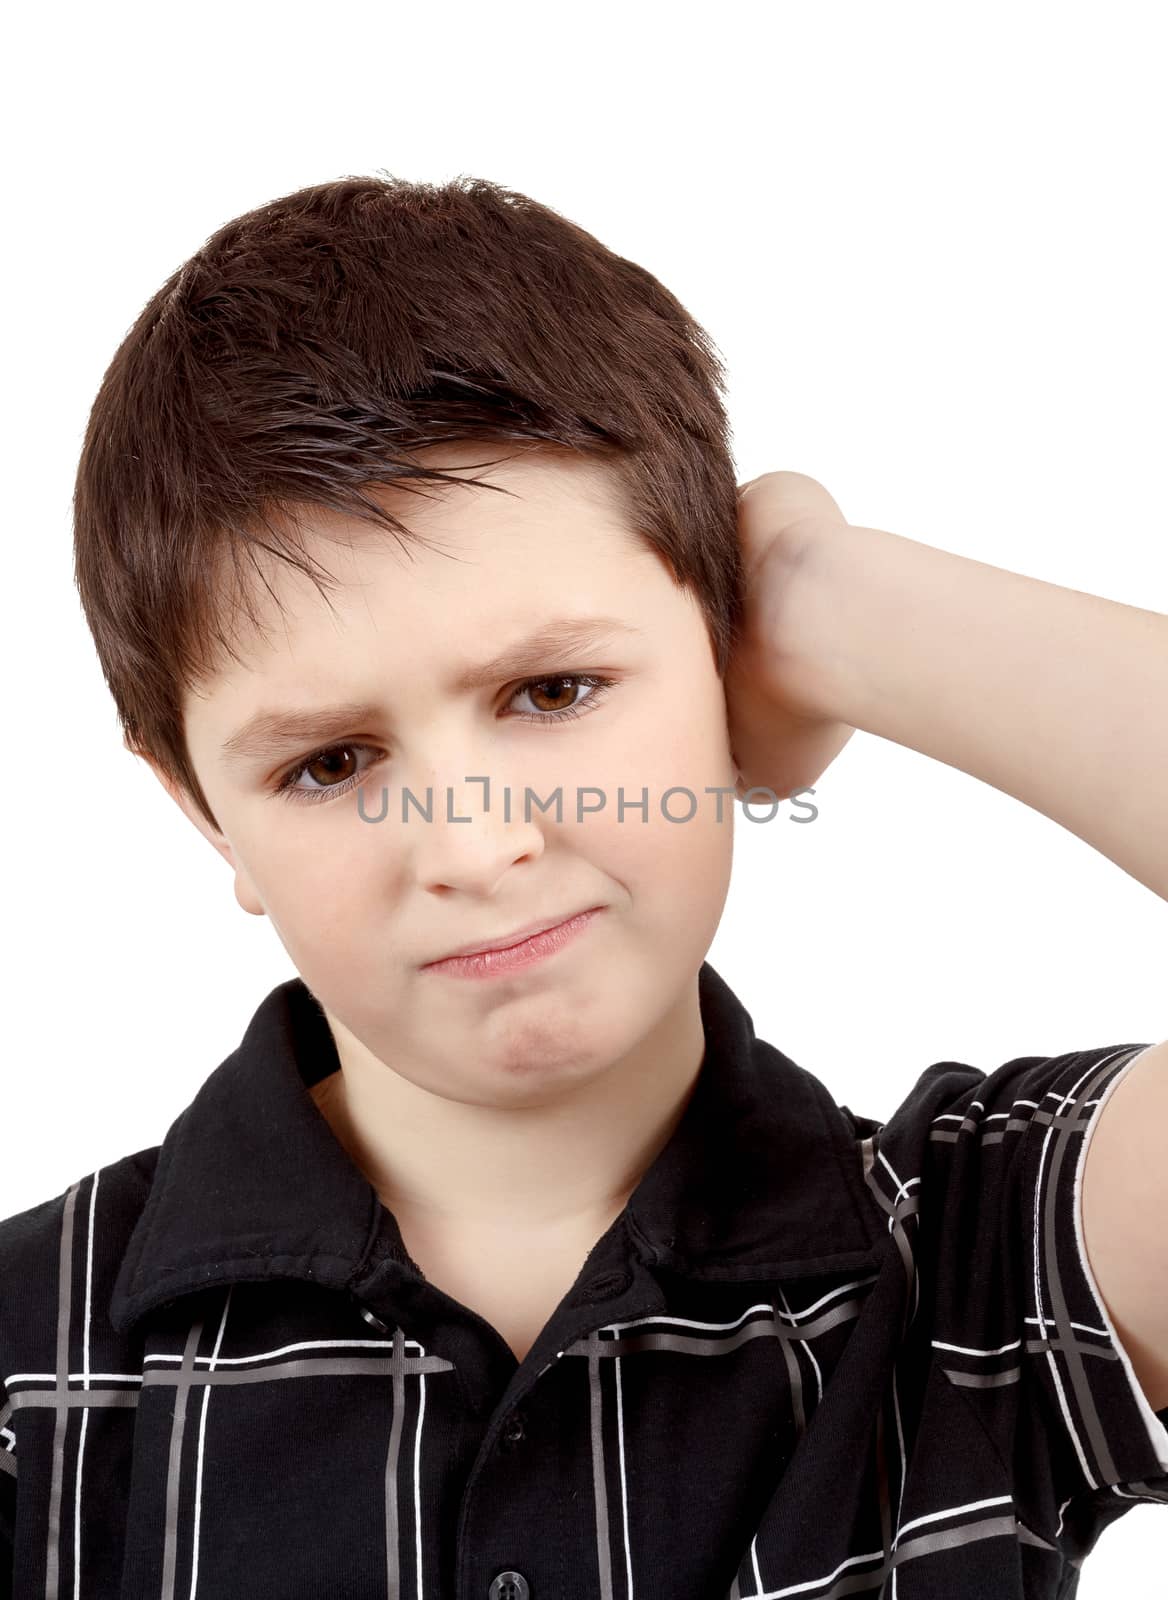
x,y
515,952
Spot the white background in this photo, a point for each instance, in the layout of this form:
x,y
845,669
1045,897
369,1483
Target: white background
x,y
928,241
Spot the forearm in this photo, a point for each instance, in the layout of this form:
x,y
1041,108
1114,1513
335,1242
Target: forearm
x,y
1056,697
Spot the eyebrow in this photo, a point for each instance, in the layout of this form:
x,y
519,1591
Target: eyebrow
x,y
269,733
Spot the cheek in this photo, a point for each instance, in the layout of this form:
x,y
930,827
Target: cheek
x,y
674,846
312,873
689,838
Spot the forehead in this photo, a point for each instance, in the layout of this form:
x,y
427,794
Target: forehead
x,y
485,567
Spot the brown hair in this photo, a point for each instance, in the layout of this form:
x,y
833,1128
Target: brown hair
x,y
310,347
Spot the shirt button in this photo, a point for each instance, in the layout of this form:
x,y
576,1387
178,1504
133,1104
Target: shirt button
x,y
509,1586
513,1431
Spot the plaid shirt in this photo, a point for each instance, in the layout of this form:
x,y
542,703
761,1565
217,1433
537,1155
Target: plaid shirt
x,y
817,1355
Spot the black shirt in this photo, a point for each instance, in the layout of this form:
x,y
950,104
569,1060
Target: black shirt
x,y
815,1354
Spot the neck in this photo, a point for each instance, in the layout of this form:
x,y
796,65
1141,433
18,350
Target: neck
x,y
571,1162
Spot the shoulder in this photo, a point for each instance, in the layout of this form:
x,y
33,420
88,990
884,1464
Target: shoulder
x,y
968,1141
71,1242
980,1175
952,1104
125,1184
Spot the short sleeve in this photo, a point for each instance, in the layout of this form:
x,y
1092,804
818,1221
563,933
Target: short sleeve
x,y
994,1163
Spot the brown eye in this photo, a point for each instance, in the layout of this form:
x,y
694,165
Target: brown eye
x,y
561,690
328,772
329,766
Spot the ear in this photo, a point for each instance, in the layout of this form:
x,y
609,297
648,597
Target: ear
x,y
245,893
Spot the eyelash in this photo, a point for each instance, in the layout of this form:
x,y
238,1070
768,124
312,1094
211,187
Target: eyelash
x,y
599,685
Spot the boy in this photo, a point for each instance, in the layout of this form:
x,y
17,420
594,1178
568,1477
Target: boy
x,y
535,1273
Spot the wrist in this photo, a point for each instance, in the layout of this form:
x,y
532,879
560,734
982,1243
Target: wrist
x,y
812,621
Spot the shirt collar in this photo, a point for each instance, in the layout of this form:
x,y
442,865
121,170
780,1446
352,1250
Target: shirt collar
x,y
760,1179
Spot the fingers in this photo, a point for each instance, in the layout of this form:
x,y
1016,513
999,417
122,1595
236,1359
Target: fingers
x,y
787,497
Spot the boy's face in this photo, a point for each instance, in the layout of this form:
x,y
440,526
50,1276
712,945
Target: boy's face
x,y
362,905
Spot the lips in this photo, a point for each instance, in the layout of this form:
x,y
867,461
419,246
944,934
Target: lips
x,y
506,940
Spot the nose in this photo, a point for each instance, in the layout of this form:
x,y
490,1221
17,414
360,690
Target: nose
x,y
478,826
